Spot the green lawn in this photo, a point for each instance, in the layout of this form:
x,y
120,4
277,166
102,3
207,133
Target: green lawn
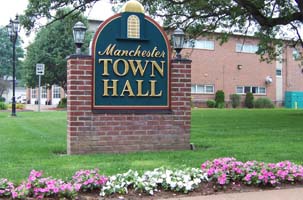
x,y
33,140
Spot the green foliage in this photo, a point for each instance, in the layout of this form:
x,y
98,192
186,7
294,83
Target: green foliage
x,y
3,106
249,100
211,103
263,103
52,45
62,103
18,106
201,17
220,105
2,99
235,100
6,52
220,98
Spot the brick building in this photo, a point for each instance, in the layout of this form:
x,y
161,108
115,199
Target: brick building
x,y
236,69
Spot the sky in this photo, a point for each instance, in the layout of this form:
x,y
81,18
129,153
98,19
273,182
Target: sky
x,y
9,8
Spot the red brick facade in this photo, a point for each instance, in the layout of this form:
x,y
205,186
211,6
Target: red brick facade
x,y
225,69
88,132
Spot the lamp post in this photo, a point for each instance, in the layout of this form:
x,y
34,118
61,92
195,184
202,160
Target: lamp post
x,y
79,33
13,28
178,41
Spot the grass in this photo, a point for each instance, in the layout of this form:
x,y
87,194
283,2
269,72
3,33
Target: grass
x,y
37,140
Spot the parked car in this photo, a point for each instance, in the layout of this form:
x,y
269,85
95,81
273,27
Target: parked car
x,y
21,99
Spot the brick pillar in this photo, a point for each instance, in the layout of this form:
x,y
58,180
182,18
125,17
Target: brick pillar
x,y
88,132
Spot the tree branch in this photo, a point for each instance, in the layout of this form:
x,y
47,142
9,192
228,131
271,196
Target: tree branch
x,y
268,22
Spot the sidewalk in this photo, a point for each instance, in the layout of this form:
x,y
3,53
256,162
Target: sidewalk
x,y
283,194
42,107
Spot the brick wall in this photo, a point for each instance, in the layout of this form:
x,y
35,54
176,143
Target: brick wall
x,y
95,133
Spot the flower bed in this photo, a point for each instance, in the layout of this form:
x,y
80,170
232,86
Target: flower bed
x,y
220,173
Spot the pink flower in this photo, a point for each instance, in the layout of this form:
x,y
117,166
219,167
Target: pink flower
x,y
222,179
247,177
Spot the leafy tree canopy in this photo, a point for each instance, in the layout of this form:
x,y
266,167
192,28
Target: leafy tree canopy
x,y
6,52
51,47
6,59
265,19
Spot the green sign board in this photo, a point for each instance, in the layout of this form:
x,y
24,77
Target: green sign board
x,y
131,63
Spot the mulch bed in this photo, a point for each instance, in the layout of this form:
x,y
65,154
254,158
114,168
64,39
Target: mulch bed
x,y
204,189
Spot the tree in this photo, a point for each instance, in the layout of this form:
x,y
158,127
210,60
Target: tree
x,y
265,19
6,62
51,47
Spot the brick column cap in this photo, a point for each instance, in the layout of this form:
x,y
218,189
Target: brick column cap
x,y
81,56
181,60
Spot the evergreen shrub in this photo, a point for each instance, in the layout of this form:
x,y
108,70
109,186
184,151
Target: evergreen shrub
x,y
211,103
235,100
249,100
220,99
62,103
264,103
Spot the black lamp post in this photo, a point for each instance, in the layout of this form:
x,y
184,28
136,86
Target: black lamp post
x,y
79,33
13,29
178,41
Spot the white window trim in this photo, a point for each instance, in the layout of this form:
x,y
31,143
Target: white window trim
x,y
243,88
204,86
246,48
192,44
53,92
33,93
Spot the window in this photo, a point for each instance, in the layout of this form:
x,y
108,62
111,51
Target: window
x,y
278,72
246,48
202,89
33,93
44,92
200,44
133,27
56,92
296,54
252,89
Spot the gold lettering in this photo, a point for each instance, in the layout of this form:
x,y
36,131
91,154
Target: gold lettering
x,y
137,52
124,53
127,88
105,66
154,51
126,67
108,51
153,89
158,68
131,53
117,52
106,87
139,67
143,53
139,94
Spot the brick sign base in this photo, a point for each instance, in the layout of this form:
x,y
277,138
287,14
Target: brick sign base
x,y
89,132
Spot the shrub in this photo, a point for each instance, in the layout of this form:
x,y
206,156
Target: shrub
x,y
249,100
220,105
62,103
211,103
18,106
2,99
3,106
264,103
235,100
219,98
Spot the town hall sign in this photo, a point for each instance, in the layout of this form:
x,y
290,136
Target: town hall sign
x,y
131,63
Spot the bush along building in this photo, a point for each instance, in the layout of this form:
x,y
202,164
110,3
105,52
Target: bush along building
x,y
235,68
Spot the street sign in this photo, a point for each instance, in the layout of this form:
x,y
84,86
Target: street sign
x,y
40,69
